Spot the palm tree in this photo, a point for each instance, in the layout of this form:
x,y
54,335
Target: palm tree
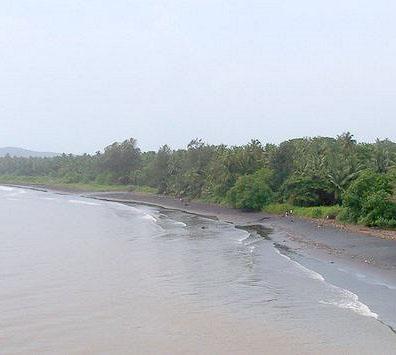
x,y
383,158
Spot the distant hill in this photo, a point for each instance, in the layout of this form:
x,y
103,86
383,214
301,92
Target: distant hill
x,y
20,152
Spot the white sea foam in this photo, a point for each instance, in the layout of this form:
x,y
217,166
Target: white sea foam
x,y
149,217
244,239
349,300
124,207
85,203
344,298
282,255
12,191
180,224
310,273
6,188
250,239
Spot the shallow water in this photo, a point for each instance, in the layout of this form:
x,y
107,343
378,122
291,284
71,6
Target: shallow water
x,y
85,276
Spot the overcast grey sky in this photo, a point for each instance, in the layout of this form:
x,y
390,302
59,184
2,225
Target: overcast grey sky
x,y
76,75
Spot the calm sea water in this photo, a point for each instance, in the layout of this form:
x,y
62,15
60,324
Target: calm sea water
x,y
80,276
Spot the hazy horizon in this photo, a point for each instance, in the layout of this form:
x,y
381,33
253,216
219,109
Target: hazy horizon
x,y
77,76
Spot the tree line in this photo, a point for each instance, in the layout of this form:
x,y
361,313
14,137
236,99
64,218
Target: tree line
x,y
318,171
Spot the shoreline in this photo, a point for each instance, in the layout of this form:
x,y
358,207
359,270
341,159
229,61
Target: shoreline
x,y
294,233
170,202
316,238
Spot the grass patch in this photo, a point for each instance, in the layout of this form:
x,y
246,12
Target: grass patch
x,y
58,183
330,212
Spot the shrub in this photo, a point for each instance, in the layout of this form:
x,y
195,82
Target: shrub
x,y
333,212
278,208
392,178
105,179
71,178
251,192
368,200
317,212
306,192
330,212
386,223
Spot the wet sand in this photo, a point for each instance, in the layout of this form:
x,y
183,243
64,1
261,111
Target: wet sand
x,y
326,239
309,236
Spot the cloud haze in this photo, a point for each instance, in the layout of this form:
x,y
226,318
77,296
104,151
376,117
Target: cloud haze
x,y
77,75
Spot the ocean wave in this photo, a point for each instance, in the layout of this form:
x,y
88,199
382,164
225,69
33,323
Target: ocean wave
x,y
368,279
310,273
344,298
282,255
6,188
149,217
12,191
124,207
350,300
180,224
250,239
244,238
371,281
84,203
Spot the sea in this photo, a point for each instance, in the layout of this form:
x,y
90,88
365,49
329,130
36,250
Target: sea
x,y
83,276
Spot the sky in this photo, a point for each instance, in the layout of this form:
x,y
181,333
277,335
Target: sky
x,y
77,75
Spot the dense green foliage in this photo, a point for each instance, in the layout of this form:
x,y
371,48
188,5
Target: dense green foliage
x,y
304,172
307,191
368,200
251,191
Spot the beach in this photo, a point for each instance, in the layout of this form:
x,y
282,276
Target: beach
x,y
369,246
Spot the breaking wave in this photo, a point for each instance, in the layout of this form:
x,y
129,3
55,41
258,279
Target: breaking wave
x,y
149,217
180,224
350,300
310,273
343,298
85,203
250,239
6,188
